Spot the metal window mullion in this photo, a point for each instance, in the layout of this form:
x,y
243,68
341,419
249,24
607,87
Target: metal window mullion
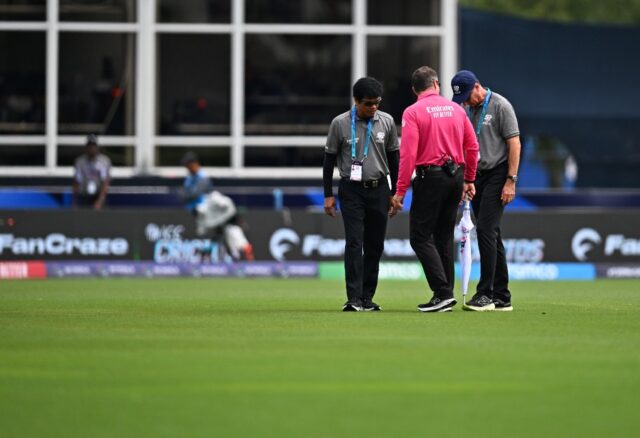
x,y
145,85
252,172
297,141
251,140
33,171
449,44
237,86
188,141
105,140
193,28
98,27
301,29
359,40
405,30
51,74
17,140
24,26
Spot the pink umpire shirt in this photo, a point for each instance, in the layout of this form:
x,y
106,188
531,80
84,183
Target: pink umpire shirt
x,y
432,129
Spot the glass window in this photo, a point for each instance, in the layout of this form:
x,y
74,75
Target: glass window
x,y
299,11
22,155
23,10
262,156
406,12
194,82
119,155
392,60
203,11
215,156
95,83
98,10
22,82
296,84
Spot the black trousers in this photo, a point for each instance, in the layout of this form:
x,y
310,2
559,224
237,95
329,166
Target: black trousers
x,y
364,213
87,200
488,209
436,197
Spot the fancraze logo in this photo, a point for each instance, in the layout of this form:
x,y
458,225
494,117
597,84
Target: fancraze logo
x,y
284,239
59,244
281,242
586,239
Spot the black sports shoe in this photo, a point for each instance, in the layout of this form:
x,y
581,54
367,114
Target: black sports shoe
x,y
371,307
438,305
502,306
351,307
480,303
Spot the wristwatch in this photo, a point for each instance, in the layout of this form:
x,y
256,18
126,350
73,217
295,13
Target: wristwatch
x,y
513,178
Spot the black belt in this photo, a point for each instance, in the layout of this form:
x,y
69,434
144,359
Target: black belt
x,y
371,184
421,170
481,172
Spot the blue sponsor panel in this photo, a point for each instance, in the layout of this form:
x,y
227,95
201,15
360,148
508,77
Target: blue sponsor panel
x,y
517,271
541,271
31,199
552,271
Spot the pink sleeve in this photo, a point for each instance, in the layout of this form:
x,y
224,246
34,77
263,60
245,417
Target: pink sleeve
x,y
470,147
408,152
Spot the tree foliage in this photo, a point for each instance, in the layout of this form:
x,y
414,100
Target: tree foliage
x,y
626,12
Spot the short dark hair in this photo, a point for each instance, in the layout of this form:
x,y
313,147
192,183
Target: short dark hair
x,y
367,87
423,78
188,158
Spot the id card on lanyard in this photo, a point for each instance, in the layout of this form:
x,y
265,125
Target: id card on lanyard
x,y
483,113
356,165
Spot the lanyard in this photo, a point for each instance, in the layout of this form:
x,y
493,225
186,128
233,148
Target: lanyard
x,y
353,135
482,114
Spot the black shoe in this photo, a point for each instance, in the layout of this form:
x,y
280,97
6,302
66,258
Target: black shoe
x,y
502,306
480,303
351,307
438,305
371,307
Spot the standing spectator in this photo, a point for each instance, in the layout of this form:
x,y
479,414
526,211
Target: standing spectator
x,y
91,176
438,143
496,127
364,143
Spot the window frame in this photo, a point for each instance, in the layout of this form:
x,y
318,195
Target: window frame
x,y
146,29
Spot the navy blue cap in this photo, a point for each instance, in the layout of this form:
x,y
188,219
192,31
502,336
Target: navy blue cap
x,y
189,157
462,84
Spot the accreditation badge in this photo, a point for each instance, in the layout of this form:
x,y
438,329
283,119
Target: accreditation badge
x,y
356,171
92,187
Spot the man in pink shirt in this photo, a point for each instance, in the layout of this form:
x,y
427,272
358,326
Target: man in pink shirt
x,y
439,144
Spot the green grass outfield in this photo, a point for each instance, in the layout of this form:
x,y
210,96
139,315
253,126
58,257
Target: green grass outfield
x,y
190,358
